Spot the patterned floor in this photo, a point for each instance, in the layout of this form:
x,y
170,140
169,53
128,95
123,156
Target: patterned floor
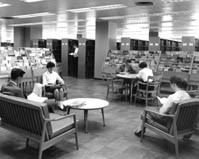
x,y
115,141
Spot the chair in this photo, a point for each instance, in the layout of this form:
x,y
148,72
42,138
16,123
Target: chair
x,y
115,86
27,85
180,121
33,121
148,91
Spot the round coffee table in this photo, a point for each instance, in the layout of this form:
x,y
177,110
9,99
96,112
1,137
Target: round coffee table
x,y
86,104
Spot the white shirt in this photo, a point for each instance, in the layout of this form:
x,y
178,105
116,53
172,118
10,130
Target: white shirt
x,y
176,97
144,74
51,78
76,52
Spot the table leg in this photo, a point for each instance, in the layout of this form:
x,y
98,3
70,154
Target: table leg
x,y
131,91
86,120
102,110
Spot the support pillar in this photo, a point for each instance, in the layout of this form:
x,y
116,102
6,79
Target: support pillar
x,y
105,40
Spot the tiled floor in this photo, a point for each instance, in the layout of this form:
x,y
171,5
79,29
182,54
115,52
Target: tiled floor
x,y
115,141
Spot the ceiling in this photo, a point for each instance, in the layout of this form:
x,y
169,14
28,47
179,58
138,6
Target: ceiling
x,y
171,18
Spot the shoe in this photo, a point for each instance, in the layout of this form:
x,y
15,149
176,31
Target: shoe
x,y
138,133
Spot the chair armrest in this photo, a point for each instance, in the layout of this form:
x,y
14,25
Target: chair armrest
x,y
163,115
61,118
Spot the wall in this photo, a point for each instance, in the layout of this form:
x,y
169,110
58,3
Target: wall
x,y
24,35
36,32
19,34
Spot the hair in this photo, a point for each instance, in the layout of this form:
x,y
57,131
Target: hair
x,y
180,82
143,65
50,65
128,61
16,72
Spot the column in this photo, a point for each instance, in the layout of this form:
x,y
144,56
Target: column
x,y
64,57
105,40
82,58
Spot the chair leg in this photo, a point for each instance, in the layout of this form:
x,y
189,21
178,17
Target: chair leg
x,y
107,93
176,148
76,140
40,152
27,142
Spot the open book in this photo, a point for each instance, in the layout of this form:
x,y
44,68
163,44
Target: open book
x,y
36,98
162,100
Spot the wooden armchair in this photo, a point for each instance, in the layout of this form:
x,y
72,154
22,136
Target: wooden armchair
x,y
148,91
27,85
32,120
180,121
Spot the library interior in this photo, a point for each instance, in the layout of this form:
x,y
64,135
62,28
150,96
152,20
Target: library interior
x,y
99,79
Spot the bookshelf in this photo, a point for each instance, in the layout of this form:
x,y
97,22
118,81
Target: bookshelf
x,y
115,58
32,60
38,43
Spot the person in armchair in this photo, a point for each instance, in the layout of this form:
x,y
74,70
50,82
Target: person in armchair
x,y
178,85
53,83
12,88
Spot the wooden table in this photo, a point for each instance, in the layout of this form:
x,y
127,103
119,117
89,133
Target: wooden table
x,y
86,104
130,77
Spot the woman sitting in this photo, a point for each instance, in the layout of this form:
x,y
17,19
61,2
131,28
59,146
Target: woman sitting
x,y
178,85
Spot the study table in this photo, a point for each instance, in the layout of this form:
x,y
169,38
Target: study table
x,y
131,77
86,104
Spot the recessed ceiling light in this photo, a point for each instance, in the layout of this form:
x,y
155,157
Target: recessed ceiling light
x,y
106,7
33,15
31,1
144,3
4,4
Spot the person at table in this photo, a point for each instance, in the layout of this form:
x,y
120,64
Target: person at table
x,y
178,85
126,67
143,76
50,80
12,88
144,72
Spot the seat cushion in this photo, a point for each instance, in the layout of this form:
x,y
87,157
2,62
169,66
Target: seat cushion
x,y
60,126
155,123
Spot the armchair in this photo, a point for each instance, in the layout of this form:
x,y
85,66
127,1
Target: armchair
x,y
180,121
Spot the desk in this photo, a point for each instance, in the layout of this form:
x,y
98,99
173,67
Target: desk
x,y
130,77
86,104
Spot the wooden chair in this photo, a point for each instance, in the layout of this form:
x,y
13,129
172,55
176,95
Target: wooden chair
x,y
27,85
32,120
115,86
180,121
148,91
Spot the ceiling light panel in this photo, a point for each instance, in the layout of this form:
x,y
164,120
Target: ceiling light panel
x,y
106,7
31,1
33,15
4,4
174,1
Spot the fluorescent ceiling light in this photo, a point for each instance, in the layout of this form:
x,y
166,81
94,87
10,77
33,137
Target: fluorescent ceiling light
x,y
174,1
30,1
33,15
106,7
4,4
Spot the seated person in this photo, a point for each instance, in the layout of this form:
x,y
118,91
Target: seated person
x,y
144,72
178,85
36,96
12,88
126,67
51,80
